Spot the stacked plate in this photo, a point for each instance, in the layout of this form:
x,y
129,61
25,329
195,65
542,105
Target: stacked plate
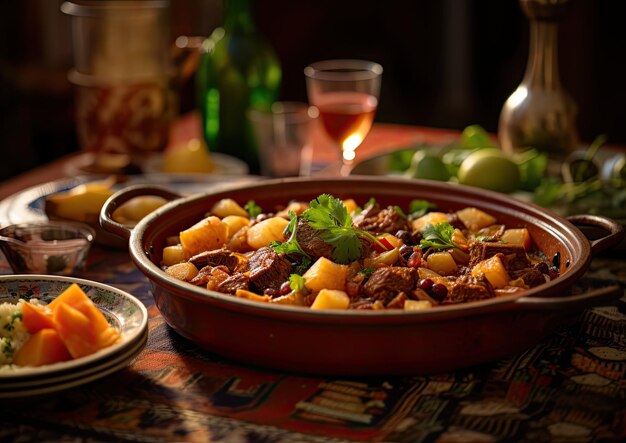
x,y
122,310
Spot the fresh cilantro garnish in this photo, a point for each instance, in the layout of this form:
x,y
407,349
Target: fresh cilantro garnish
x,y
399,210
7,349
328,215
305,263
367,272
417,208
252,208
296,282
371,202
438,236
15,316
291,246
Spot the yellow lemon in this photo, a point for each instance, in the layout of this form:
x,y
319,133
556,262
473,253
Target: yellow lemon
x,y
490,169
193,156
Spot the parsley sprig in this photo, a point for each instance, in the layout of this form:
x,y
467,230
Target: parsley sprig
x,y
296,282
329,215
252,208
291,246
438,236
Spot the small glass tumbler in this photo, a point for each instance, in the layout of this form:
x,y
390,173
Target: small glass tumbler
x,y
283,137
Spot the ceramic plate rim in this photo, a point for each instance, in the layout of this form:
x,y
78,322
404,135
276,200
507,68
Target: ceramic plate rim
x,y
72,382
128,337
132,351
227,165
25,205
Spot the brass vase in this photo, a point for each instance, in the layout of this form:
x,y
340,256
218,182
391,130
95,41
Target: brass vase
x,y
540,113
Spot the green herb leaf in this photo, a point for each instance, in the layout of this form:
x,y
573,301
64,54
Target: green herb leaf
x,y
304,264
291,246
329,215
346,243
296,282
438,236
367,272
252,208
327,211
291,226
371,202
7,349
532,167
417,208
399,210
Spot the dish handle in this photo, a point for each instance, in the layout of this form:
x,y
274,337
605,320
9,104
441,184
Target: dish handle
x,y
574,302
120,197
609,231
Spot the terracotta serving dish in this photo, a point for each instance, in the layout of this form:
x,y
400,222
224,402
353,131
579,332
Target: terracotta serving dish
x,y
366,342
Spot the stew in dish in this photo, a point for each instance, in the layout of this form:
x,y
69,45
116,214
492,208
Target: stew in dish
x,y
338,254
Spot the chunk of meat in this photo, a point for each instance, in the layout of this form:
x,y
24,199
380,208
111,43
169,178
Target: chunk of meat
x,y
532,277
211,277
387,282
216,257
469,288
515,257
268,269
374,219
310,241
234,282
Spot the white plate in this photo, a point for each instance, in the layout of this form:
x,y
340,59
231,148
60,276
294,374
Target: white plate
x,y
46,386
122,310
29,204
224,165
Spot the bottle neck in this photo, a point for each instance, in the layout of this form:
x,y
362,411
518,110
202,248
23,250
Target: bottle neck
x,y
238,16
542,70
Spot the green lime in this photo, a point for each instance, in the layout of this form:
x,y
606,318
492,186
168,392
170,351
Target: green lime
x,y
428,166
490,169
475,137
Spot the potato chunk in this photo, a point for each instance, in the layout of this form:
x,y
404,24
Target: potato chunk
x,y
475,219
228,206
137,208
234,224
331,299
432,218
519,236
442,263
417,305
494,271
325,274
173,254
206,235
182,271
265,232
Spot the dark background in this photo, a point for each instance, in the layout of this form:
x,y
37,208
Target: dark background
x,y
448,63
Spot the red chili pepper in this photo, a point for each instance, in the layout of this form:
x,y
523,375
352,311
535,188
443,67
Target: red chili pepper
x,y
385,242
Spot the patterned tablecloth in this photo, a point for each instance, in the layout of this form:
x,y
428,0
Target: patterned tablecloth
x,y
569,387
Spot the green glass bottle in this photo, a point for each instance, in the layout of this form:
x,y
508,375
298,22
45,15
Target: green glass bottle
x,y
238,70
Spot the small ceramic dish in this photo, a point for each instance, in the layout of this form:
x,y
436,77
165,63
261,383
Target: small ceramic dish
x,y
123,311
46,248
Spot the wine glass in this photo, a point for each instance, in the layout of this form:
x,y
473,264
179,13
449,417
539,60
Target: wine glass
x,y
346,94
